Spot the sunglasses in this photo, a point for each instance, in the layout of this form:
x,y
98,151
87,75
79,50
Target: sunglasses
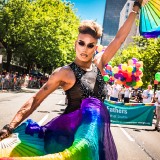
x,y
89,45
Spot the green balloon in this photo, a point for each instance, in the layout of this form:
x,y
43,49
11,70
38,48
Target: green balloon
x,y
141,69
106,78
133,83
129,83
157,76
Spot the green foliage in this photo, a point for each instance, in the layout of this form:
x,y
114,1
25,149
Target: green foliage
x,y
39,32
146,50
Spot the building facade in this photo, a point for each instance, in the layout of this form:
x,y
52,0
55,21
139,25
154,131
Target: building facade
x,y
111,20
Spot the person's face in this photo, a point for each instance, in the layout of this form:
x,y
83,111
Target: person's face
x,y
149,87
85,47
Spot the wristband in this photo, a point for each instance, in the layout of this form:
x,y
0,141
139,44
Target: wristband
x,y
135,12
8,128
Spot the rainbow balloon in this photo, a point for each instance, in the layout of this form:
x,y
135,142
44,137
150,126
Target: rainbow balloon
x,y
150,19
80,135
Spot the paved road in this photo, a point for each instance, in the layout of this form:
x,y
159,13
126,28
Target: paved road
x,y
133,142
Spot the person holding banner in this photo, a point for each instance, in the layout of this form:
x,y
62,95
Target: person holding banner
x,y
127,95
147,95
116,88
82,82
157,103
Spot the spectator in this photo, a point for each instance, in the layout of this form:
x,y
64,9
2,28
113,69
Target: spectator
x,y
157,103
108,90
147,95
139,97
2,82
115,92
127,95
121,94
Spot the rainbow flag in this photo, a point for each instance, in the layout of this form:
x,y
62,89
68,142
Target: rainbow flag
x,y
80,135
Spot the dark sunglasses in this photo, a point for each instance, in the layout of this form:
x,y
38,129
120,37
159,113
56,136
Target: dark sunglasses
x,y
89,45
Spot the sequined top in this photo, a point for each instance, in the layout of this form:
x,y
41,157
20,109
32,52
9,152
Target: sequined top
x,y
88,84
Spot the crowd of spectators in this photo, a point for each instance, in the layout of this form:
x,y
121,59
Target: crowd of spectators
x,y
11,81
120,93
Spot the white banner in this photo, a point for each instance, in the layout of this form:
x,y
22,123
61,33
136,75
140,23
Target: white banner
x,y
0,59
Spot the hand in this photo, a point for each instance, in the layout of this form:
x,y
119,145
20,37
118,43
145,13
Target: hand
x,y
140,3
5,132
143,2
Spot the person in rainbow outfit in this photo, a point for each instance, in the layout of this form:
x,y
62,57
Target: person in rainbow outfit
x,y
82,132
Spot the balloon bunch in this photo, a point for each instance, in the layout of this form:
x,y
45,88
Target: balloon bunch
x,y
108,75
129,74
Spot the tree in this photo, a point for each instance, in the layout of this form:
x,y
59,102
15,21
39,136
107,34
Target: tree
x,y
39,32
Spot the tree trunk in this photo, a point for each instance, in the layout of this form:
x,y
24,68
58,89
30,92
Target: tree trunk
x,y
9,57
28,67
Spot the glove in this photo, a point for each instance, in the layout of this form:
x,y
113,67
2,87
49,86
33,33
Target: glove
x,y
5,131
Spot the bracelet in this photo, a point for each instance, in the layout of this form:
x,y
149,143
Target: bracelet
x,y
136,3
135,12
8,128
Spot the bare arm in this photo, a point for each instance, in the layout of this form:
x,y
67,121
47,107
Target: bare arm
x,y
32,104
119,39
156,99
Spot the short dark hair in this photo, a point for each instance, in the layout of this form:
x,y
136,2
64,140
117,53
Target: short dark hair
x,y
90,27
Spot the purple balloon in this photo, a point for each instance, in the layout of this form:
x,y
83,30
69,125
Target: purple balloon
x,y
121,75
119,66
116,75
134,60
133,78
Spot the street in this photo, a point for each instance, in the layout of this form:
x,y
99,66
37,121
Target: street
x,y
133,142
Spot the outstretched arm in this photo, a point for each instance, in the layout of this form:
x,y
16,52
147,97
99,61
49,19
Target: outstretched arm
x,y
119,38
32,104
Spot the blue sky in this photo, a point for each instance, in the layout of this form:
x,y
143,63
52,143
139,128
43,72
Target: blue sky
x,y
90,9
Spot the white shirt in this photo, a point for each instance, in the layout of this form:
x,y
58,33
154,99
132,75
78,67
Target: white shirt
x,y
148,94
127,93
115,90
109,89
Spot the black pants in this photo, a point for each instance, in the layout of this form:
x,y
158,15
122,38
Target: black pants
x,y
126,100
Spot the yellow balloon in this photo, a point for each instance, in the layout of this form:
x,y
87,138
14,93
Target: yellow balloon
x,y
129,69
99,48
124,67
115,69
130,62
139,83
135,87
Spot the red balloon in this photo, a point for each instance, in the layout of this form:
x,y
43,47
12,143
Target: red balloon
x,y
125,74
108,67
138,73
138,65
129,79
